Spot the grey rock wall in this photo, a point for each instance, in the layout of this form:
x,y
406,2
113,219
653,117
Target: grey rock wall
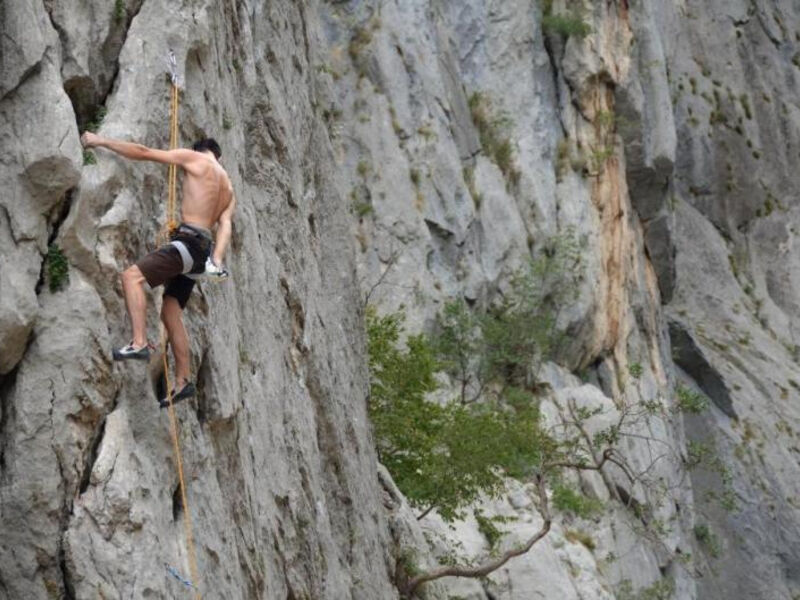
x,y
665,140
687,225
280,468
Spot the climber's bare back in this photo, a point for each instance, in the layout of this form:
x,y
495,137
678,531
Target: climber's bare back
x,y
207,190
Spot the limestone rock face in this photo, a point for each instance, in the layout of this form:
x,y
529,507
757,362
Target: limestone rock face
x,y
664,139
281,474
404,154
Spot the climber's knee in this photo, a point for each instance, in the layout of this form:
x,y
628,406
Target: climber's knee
x,y
132,276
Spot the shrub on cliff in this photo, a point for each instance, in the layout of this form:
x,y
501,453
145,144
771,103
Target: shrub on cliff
x,y
445,452
441,455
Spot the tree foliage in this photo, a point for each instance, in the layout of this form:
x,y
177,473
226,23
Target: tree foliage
x,y
446,454
456,410
441,455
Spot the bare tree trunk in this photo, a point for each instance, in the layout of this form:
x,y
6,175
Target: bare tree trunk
x,y
494,564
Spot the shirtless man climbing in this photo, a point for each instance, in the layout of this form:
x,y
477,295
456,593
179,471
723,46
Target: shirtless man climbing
x,y
207,200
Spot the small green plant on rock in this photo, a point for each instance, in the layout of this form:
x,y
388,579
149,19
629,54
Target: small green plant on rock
x,y
708,539
413,173
599,157
663,589
57,268
469,178
567,499
565,25
689,401
578,536
120,12
362,208
89,158
359,42
488,526
362,37
492,131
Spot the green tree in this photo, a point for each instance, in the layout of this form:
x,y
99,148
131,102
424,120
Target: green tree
x,y
445,454
441,456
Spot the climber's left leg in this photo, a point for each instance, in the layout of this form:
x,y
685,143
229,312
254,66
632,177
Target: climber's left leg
x,y
176,295
172,316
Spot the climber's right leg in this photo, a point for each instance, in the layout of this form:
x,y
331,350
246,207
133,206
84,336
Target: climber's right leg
x,y
155,268
136,303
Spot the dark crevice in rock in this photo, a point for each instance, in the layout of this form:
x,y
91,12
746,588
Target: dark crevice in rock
x,y
763,22
31,72
62,35
177,503
66,576
80,90
690,357
7,383
204,378
66,509
660,249
630,502
91,456
58,215
42,271
55,220
437,230
552,50
158,379
88,96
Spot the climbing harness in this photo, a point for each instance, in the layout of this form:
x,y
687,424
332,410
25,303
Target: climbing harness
x,y
170,225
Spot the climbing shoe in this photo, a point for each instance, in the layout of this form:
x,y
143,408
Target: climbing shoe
x,y
131,352
187,391
215,272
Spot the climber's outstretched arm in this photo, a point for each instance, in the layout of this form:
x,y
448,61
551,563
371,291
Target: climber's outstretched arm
x,y
224,230
133,151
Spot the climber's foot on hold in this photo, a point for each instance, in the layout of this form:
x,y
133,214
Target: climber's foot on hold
x,y
187,391
132,352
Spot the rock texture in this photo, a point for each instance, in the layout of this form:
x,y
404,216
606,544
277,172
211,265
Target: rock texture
x,y
664,138
280,467
665,141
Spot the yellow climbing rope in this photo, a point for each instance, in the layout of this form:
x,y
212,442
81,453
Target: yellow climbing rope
x,y
171,222
171,225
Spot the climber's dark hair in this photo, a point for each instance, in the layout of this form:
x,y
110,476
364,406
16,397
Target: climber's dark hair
x,y
207,144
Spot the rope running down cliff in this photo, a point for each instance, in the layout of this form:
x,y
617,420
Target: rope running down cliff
x,y
170,225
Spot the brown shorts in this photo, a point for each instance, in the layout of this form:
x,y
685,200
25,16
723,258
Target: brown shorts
x,y
173,264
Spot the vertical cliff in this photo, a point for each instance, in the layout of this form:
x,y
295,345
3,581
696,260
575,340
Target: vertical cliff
x,y
410,152
280,466
663,138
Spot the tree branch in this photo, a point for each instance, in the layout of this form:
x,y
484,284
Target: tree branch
x,y
496,563
392,259
425,512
